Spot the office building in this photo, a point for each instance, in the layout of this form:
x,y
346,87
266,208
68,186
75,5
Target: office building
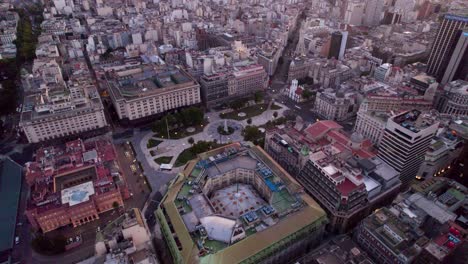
x,y
235,204
406,139
335,45
373,12
354,13
444,45
227,84
53,108
453,99
457,68
72,184
143,91
341,172
269,56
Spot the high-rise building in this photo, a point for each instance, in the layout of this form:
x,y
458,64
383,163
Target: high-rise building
x,y
373,12
444,45
406,139
335,45
235,204
457,67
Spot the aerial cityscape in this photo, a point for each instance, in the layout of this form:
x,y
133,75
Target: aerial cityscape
x,y
234,131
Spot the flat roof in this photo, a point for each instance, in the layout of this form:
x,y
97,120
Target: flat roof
x,y
10,190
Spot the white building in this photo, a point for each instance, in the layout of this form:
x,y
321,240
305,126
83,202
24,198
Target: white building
x,y
406,139
57,109
146,90
371,125
295,92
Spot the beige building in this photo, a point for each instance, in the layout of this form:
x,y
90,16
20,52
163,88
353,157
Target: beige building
x,y
60,109
144,90
335,106
371,125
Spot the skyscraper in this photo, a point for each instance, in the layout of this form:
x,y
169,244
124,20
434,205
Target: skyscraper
x,y
335,45
406,139
444,44
457,68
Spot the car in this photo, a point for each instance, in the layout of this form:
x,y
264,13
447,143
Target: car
x,y
17,240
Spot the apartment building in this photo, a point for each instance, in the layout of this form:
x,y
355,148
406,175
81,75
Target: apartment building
x,y
139,91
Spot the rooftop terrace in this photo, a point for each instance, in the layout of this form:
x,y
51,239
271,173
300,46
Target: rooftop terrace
x,y
231,195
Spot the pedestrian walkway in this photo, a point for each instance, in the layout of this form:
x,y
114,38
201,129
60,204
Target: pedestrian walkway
x,y
173,147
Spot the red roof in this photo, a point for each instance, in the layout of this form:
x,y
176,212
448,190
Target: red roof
x,y
338,137
346,187
299,91
318,129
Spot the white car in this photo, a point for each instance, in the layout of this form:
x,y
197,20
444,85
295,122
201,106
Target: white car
x,y
17,240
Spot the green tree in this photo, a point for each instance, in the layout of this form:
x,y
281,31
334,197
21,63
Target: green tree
x,y
252,133
275,114
191,140
258,96
237,104
249,121
115,205
307,94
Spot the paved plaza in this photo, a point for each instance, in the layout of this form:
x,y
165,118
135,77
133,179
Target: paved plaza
x,y
173,147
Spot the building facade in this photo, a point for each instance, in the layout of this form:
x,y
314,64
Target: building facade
x,y
444,43
146,90
453,99
340,172
406,139
53,108
208,218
